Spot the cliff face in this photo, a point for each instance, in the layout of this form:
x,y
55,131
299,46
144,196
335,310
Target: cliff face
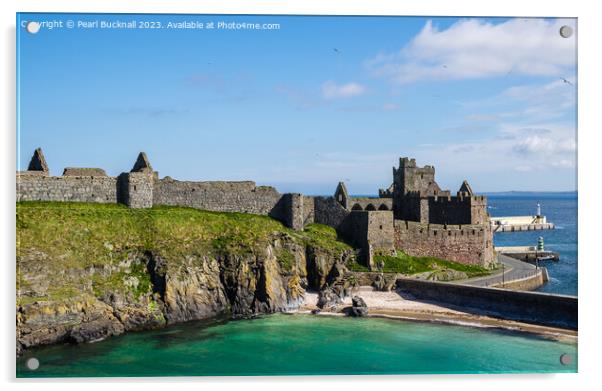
x,y
81,278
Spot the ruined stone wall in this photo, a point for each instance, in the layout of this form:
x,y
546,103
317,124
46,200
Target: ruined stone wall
x,y
308,210
83,171
369,227
458,210
380,230
410,207
465,244
293,215
143,190
66,188
219,196
329,212
478,210
449,210
135,189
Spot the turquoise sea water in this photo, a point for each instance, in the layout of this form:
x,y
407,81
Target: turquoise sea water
x,y
303,345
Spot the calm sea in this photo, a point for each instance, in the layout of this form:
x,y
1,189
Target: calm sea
x,y
560,209
303,345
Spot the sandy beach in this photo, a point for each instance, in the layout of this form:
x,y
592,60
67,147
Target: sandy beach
x,y
399,305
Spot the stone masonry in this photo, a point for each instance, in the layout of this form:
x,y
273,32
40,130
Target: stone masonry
x,y
413,214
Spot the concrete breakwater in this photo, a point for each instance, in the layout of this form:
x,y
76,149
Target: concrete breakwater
x,y
528,253
530,307
520,223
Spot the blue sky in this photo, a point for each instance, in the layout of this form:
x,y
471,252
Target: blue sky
x,y
481,99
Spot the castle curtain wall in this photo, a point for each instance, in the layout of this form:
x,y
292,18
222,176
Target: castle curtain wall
x,y
464,244
66,189
242,197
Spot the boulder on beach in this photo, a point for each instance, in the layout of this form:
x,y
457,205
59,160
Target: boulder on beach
x,y
358,307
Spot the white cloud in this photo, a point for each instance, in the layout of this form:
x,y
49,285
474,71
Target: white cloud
x,y
538,147
546,145
473,49
331,90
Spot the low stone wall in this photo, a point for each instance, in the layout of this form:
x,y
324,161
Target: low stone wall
x,y
531,307
464,244
527,283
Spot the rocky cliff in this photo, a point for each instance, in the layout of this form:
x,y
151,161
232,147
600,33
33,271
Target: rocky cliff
x,y
86,272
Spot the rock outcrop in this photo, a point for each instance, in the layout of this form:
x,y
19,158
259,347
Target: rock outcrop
x,y
358,307
86,272
196,287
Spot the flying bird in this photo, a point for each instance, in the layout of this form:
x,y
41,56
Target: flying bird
x,y
566,81
337,51
444,66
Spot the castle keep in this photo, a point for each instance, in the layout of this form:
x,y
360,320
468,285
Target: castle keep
x,y
413,215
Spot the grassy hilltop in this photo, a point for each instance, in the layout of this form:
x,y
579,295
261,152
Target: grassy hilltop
x,y
82,236
60,237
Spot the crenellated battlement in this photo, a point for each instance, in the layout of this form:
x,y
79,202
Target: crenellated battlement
x,y
469,244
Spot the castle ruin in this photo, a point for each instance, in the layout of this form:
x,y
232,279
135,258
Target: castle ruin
x,y
413,215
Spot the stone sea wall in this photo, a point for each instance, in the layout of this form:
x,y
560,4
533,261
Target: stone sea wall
x,y
532,307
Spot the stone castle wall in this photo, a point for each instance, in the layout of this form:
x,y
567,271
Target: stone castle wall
x,y
465,244
135,189
449,210
329,212
367,222
218,196
369,228
66,188
366,203
308,210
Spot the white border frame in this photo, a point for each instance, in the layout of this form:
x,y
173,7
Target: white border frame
x,y
589,69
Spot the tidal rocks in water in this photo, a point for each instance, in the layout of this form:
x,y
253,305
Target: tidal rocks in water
x,y
358,307
80,319
95,330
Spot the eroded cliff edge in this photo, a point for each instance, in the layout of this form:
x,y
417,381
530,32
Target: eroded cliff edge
x,y
87,271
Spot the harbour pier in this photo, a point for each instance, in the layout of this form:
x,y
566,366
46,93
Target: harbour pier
x,y
520,223
528,253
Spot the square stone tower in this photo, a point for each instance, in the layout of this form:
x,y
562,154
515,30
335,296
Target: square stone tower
x,y
136,186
